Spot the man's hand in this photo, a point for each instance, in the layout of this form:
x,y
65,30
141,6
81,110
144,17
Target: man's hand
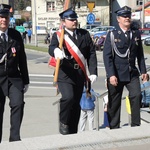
x,y
144,77
58,53
26,87
113,80
93,78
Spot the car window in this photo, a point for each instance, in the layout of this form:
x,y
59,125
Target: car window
x,y
89,27
145,31
101,29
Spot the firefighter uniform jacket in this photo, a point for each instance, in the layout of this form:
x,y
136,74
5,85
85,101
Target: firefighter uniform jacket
x,y
13,64
120,56
87,48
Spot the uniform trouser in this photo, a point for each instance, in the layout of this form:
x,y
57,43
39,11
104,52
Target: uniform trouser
x,y
87,115
114,102
16,114
70,105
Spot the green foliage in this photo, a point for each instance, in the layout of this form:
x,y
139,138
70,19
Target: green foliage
x,y
21,5
146,49
20,21
43,49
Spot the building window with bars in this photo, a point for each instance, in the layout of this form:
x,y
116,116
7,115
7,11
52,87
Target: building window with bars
x,y
50,6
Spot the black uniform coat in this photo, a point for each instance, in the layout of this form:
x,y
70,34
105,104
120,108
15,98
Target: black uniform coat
x,y
85,45
15,69
118,66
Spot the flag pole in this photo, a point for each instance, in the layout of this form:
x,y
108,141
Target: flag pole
x,y
66,6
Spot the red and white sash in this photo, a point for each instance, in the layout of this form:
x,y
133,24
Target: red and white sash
x,y
75,52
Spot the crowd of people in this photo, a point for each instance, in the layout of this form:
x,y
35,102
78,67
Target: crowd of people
x,y
76,53
99,42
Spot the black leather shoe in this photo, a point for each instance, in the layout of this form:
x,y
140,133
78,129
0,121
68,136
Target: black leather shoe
x,y
63,129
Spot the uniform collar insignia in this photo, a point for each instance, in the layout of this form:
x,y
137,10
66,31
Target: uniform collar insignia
x,y
119,32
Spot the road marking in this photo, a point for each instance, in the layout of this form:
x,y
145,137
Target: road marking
x,y
40,75
37,82
39,87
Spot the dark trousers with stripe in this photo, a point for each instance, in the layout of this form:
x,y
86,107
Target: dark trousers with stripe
x,y
114,102
70,104
16,104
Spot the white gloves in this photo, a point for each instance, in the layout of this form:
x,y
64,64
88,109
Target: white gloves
x,y
58,53
26,88
93,78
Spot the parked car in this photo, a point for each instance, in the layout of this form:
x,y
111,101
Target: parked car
x,y
147,41
145,31
147,25
90,26
99,34
101,29
143,37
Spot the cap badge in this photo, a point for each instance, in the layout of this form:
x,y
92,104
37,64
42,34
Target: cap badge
x,y
125,8
1,7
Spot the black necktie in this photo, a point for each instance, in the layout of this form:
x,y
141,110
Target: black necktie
x,y
74,35
128,36
74,38
3,37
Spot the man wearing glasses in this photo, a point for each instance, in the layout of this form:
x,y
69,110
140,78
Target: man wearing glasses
x,y
122,48
78,50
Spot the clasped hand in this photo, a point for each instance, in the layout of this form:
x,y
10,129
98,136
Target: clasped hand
x,y
93,78
59,54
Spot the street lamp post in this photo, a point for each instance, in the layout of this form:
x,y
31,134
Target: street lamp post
x,y
35,22
143,13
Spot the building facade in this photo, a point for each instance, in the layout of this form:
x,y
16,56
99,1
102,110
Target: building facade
x,y
4,1
45,13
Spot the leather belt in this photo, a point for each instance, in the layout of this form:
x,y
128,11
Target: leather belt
x,y
73,64
76,66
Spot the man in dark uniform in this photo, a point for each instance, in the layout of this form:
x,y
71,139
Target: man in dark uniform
x,y
14,77
71,77
120,52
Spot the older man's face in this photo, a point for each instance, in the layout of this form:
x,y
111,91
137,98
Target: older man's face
x,y
4,22
124,22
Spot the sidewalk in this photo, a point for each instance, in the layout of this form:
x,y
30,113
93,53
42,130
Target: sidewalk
x,y
128,138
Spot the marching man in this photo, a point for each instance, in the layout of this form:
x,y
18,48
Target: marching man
x,y
78,49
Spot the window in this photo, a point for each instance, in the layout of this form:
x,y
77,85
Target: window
x,y
139,2
50,6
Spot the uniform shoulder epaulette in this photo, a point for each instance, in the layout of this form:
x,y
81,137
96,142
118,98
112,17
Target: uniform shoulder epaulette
x,y
113,30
